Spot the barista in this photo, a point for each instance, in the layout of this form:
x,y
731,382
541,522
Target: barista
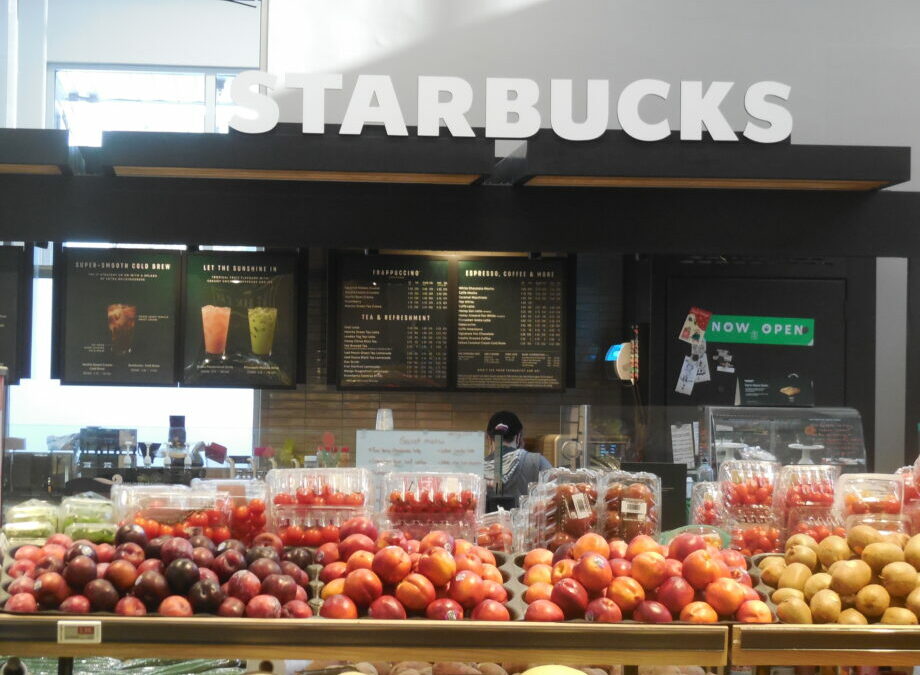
x,y
520,467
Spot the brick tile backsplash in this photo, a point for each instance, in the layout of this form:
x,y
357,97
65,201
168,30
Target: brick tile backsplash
x,y
302,416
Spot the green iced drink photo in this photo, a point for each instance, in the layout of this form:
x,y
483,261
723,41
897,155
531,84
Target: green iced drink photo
x,y
262,329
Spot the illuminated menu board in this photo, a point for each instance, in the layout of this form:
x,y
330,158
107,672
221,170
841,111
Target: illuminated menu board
x,y
119,314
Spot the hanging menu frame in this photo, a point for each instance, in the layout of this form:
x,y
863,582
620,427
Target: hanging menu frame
x,y
565,265
59,363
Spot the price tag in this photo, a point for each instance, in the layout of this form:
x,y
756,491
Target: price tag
x,y
633,509
580,505
79,632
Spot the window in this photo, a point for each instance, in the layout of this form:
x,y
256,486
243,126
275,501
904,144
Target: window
x,y
90,100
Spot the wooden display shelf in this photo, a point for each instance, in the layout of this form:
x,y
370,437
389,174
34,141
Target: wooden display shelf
x,y
369,640
828,645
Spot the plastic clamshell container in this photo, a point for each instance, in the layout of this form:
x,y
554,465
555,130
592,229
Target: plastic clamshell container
x,y
747,487
123,494
912,513
240,491
706,507
170,507
818,522
418,503
86,509
309,498
564,506
800,485
911,493
865,493
629,504
98,533
496,531
758,533
34,510
28,529
896,523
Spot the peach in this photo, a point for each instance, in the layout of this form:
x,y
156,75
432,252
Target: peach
x,y
571,597
462,547
360,560
675,567
338,607
490,610
649,569
333,571
750,593
334,587
591,543
492,572
700,569
754,611
725,596
438,565
593,571
467,589
391,564
386,607
539,572
416,592
468,562
484,554
620,567
675,594
618,548
733,558
363,586
436,539
652,611
544,610
356,542
741,576
539,591
698,612
641,544
626,592
603,610
538,556
563,570
684,544
494,591
444,609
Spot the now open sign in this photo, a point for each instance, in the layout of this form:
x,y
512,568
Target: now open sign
x,y
767,330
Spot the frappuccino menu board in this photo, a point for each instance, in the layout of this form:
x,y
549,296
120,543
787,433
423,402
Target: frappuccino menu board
x,y
11,259
511,324
119,316
240,320
392,322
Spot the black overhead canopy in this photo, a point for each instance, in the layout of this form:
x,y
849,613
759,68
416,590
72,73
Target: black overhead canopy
x,y
34,151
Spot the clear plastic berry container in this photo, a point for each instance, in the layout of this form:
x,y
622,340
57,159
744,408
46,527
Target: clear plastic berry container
x,y
911,494
245,505
34,511
869,493
86,508
747,487
706,507
309,499
817,522
756,534
418,503
629,504
912,513
177,511
124,494
885,523
801,485
495,531
565,506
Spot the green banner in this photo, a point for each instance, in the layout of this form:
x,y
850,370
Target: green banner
x,y
765,330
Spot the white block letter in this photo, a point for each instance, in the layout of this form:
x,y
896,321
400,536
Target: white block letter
x,y
697,109
314,97
361,108
628,110
431,110
776,116
597,110
500,106
264,106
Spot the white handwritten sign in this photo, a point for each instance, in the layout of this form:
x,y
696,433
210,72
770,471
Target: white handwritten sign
x,y
443,451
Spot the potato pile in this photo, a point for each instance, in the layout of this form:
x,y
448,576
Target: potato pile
x,y
866,578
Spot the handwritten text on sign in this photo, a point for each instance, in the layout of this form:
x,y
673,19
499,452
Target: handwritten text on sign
x,y
446,451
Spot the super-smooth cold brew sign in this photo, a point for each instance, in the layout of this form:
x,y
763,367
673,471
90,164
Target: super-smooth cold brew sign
x,y
392,322
119,316
240,320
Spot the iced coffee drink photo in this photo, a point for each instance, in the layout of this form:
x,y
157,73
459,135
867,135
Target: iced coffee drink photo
x,y
215,321
262,322
122,319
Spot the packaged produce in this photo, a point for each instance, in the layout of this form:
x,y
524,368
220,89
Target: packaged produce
x,y
706,507
564,506
176,511
98,533
747,487
123,494
885,523
245,504
863,493
756,534
420,502
799,485
815,521
88,507
631,504
33,510
495,531
20,531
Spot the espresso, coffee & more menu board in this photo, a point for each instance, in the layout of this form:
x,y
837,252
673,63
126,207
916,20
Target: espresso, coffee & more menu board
x,y
392,322
240,320
511,324
119,316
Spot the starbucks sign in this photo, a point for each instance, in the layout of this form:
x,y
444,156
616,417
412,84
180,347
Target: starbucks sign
x,y
767,330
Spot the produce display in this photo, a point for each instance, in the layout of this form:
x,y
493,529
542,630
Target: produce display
x,y
747,487
631,504
564,506
866,577
168,575
608,582
419,503
863,493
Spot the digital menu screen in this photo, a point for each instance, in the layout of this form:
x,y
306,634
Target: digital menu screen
x,y
511,324
11,262
119,312
240,325
392,321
